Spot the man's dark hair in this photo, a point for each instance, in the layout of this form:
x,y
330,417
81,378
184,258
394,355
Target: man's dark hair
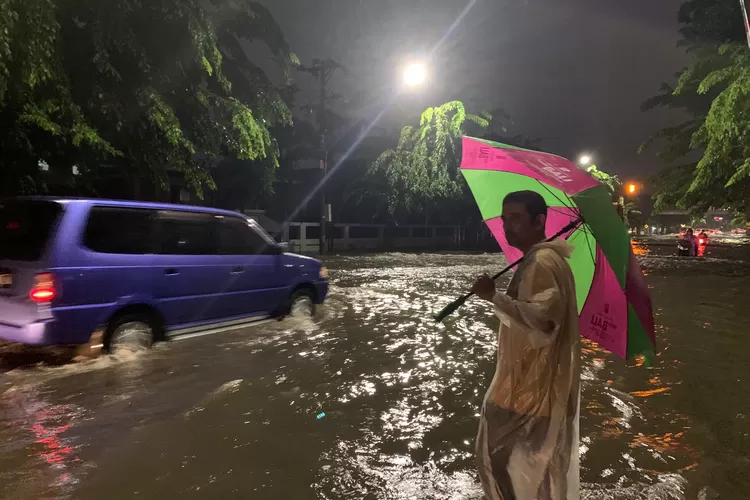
x,y
532,201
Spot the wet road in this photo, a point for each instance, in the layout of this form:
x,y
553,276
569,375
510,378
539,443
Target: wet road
x,y
372,400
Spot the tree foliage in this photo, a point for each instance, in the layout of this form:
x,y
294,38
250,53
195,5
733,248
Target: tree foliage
x,y
420,178
632,214
714,91
143,87
611,181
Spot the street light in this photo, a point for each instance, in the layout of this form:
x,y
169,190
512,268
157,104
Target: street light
x,y
584,160
415,74
631,188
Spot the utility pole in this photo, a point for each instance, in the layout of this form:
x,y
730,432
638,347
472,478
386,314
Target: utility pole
x,y
323,70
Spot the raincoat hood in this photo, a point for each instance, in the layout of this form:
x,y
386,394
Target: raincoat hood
x,y
558,245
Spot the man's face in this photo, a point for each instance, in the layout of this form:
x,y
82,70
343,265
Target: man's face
x,y
520,227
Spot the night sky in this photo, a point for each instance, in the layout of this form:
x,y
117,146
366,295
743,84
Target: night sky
x,y
572,73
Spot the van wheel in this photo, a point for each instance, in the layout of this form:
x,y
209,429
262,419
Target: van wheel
x,y
131,332
301,304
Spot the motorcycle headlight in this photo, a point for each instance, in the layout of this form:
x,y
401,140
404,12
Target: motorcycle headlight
x,y
323,273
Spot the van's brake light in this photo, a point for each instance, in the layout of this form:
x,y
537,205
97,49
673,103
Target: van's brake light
x,y
44,288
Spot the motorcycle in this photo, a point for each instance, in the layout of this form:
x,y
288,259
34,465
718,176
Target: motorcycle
x,y
683,248
702,244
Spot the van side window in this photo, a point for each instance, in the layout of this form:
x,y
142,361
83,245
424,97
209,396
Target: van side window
x,y
186,233
237,237
119,230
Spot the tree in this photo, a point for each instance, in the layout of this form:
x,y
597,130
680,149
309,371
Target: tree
x,y
141,87
611,181
631,214
714,92
420,178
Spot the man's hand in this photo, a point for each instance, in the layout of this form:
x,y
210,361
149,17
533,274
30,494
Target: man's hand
x,y
484,288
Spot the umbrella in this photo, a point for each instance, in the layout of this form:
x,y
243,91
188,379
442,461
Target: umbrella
x,y
614,305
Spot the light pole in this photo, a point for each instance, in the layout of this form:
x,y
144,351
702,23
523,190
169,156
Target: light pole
x,y
323,70
414,75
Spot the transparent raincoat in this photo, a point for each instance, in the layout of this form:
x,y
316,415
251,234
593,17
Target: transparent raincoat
x,y
527,446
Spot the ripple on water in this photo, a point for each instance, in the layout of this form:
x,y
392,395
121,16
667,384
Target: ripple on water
x,y
398,395
40,430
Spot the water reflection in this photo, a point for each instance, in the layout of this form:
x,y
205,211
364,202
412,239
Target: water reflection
x,y
238,416
640,248
41,430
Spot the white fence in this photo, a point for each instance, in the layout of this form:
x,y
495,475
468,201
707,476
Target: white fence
x,y
304,237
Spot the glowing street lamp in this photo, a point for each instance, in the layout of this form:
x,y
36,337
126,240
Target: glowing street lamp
x,y
584,160
415,74
631,188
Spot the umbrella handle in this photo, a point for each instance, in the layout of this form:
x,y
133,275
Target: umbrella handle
x,y
453,306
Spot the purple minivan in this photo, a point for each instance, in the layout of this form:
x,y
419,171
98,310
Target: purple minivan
x,y
138,272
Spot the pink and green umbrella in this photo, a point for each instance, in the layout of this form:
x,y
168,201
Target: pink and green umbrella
x,y
614,304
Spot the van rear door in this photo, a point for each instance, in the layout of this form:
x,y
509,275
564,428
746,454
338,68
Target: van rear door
x,y
26,230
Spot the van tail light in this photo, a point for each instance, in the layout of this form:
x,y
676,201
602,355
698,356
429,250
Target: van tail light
x,y
44,288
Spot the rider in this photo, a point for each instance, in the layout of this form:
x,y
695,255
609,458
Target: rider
x,y
702,243
703,238
688,245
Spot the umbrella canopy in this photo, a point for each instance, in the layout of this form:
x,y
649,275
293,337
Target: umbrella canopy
x,y
614,304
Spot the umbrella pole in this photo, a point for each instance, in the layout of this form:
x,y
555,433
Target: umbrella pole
x,y
453,306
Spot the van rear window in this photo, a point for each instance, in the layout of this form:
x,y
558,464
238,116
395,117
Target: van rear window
x,y
26,227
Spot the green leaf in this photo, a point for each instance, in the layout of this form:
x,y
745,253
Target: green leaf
x,y
421,173
714,91
146,87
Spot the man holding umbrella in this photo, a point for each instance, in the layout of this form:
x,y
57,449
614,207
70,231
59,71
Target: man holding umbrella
x,y
527,445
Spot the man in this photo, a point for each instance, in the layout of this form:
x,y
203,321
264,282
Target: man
x,y
688,245
527,445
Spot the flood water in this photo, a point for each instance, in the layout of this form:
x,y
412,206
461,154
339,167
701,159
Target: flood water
x,y
373,400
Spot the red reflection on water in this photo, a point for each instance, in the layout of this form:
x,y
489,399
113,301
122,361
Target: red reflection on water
x,y
661,443
590,348
689,467
640,249
612,428
54,451
652,392
50,426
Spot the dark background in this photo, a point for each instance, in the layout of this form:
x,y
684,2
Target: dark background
x,y
572,73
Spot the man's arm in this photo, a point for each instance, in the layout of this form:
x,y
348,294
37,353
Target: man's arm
x,y
540,312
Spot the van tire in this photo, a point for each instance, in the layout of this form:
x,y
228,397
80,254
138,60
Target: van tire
x,y
141,330
302,301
